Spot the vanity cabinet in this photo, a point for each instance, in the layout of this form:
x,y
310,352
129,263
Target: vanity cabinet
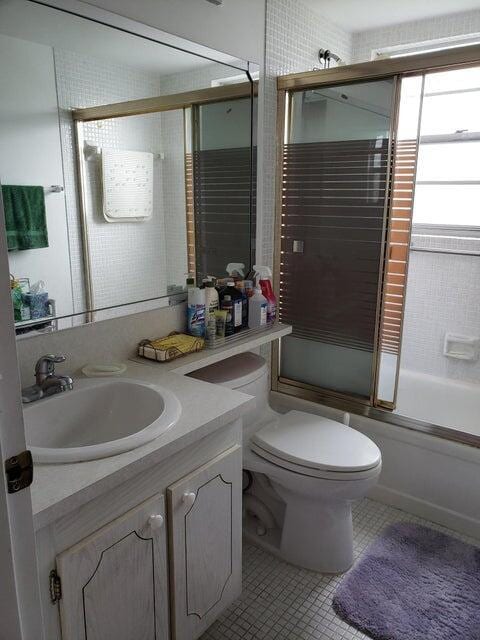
x,y
205,512
115,583
154,558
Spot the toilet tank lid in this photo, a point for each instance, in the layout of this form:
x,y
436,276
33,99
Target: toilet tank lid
x,y
242,369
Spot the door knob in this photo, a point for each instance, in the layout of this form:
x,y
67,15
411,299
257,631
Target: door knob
x,y
189,498
156,522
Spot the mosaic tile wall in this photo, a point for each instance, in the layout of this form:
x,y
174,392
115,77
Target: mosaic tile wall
x,y
128,260
293,36
442,297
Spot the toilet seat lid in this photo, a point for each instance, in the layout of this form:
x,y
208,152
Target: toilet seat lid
x,y
318,443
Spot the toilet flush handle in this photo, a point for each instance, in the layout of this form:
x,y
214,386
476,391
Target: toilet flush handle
x,y
189,498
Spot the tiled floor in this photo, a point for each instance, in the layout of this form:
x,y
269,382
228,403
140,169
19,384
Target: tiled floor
x,y
280,601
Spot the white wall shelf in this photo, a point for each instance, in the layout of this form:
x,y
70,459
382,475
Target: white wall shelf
x,y
195,361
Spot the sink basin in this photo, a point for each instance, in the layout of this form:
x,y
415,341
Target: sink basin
x,y
98,418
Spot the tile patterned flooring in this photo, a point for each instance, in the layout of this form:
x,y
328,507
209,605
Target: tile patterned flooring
x,y
280,601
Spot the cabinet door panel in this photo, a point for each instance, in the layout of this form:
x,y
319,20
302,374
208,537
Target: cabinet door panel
x,y
205,530
114,583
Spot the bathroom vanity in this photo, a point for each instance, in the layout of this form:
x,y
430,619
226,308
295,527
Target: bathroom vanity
x,y
148,540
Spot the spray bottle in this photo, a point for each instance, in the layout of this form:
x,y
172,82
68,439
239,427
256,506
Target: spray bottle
x,y
265,281
236,270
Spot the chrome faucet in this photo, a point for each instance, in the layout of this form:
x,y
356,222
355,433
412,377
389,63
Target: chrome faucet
x,y
47,382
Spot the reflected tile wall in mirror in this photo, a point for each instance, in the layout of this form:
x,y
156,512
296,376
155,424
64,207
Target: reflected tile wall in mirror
x,y
56,63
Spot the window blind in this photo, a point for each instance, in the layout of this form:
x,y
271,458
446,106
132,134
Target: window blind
x,y
401,209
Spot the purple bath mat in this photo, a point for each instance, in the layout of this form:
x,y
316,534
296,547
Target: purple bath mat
x,y
413,583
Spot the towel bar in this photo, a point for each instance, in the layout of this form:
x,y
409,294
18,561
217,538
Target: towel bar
x,y
55,188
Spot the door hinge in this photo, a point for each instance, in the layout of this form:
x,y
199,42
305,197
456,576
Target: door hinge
x,y
55,587
19,471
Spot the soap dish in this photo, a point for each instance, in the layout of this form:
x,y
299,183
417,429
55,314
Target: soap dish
x,y
104,370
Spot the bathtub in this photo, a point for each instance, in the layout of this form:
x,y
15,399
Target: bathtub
x,y
440,401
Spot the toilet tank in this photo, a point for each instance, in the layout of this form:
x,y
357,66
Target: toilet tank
x,y
246,372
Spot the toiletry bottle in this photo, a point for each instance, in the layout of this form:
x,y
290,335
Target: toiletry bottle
x,y
190,282
241,288
249,288
236,270
265,282
211,297
196,311
257,309
236,298
227,305
211,330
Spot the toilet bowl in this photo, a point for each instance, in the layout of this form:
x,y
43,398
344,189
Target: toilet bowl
x,y
315,466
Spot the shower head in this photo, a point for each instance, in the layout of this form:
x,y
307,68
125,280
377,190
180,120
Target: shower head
x,y
325,56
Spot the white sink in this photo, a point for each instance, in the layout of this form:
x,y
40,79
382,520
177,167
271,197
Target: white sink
x,y
98,418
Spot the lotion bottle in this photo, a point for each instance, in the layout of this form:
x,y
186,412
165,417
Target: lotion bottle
x,y
257,309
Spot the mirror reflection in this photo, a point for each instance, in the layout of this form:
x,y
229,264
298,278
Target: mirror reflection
x,y
125,165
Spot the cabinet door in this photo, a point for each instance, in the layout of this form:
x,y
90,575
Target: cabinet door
x,y
205,526
115,583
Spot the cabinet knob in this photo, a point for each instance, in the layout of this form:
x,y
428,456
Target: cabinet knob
x,y
156,522
189,498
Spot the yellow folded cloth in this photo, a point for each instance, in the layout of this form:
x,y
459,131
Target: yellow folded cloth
x,y
170,347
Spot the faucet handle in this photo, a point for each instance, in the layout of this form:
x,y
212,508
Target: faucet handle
x,y
46,364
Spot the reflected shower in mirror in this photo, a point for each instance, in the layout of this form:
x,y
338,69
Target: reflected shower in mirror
x,y
125,164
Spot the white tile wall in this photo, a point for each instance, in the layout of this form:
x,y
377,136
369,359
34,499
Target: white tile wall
x,y
128,260
456,24
293,36
442,297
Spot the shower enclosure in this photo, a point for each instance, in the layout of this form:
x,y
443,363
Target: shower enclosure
x,y
351,142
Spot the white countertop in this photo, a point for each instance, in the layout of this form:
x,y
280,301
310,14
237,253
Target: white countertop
x,y
60,488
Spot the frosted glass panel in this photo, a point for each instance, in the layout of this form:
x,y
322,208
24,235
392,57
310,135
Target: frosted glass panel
x,y
335,186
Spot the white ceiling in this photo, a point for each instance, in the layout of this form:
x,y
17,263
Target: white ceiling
x,y
359,15
54,28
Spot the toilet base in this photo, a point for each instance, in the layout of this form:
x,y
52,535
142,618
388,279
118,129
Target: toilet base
x,y
317,536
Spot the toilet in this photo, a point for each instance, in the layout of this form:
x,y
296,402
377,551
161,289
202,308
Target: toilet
x,y
308,470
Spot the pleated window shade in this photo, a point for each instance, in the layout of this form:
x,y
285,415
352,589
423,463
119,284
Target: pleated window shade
x,y
333,210
190,213
401,210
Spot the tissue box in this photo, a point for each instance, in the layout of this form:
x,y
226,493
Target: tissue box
x,y
38,303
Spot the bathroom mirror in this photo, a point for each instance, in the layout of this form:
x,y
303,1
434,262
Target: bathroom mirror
x,y
126,162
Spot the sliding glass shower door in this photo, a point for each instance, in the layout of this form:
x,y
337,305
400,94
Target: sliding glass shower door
x,y
335,195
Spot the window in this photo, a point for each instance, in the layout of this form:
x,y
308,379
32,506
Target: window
x,y
429,46
447,192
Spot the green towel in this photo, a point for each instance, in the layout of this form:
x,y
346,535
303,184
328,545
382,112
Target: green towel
x,y
25,218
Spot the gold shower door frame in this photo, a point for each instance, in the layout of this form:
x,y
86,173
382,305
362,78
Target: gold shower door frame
x,y
396,69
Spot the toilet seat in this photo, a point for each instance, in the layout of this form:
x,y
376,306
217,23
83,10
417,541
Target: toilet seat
x,y
318,447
